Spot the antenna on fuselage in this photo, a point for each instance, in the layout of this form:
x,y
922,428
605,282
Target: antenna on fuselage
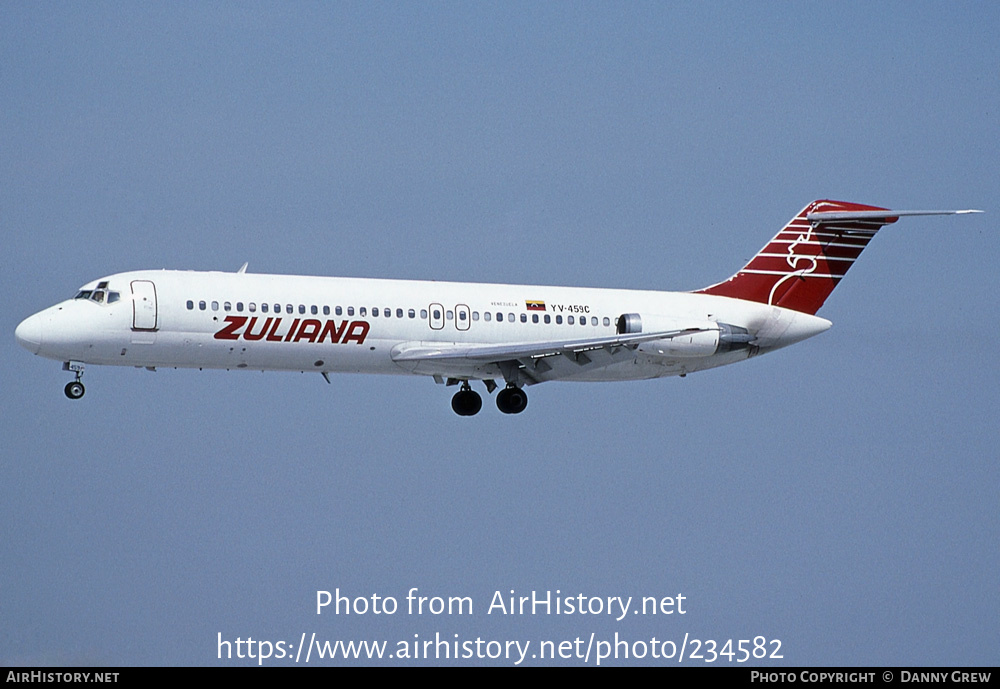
x,y
243,268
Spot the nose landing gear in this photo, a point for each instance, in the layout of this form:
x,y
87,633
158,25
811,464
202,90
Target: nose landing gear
x,y
74,389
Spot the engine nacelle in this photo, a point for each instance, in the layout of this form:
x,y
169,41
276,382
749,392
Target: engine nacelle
x,y
698,344
707,339
628,323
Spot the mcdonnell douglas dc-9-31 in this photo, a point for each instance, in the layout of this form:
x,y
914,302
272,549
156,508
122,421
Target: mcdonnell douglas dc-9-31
x,y
460,332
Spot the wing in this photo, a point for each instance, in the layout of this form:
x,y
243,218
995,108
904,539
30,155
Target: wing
x,y
525,362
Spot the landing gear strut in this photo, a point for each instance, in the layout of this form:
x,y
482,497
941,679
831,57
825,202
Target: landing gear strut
x,y
512,400
74,389
466,401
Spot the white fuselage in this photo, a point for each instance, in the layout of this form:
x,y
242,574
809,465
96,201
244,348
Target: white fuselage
x,y
295,323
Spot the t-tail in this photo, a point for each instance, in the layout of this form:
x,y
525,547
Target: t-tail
x,y
810,255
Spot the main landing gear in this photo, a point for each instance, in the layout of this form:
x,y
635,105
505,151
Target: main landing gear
x,y
512,399
467,402
74,389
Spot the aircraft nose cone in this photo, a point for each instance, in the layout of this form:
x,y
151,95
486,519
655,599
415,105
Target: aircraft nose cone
x,y
29,333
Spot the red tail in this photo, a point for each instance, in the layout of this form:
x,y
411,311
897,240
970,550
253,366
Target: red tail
x,y
804,262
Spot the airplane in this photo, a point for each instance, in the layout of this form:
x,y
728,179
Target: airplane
x,y
460,332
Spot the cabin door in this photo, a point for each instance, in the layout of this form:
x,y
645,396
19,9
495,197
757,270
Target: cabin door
x,y
143,305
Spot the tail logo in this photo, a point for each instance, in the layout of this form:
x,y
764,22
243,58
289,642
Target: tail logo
x,y
793,260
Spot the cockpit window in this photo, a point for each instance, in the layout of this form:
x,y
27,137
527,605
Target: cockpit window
x,y
99,296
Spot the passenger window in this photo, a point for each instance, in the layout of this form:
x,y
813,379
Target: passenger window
x,y
524,318
475,315
510,318
569,320
461,315
302,308
548,318
314,309
411,313
534,318
201,305
350,311
253,307
263,308
487,316
362,311
437,315
374,312
277,308
450,315
227,307
190,305
239,306
423,313
399,313
593,320
215,306
558,320
326,310
339,311
607,321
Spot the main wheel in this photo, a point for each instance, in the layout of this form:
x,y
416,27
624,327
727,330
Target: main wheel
x,y
466,403
512,400
74,389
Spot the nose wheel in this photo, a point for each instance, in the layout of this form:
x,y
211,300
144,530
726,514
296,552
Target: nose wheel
x,y
74,389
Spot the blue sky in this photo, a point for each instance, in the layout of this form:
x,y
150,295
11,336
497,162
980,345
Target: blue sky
x,y
840,495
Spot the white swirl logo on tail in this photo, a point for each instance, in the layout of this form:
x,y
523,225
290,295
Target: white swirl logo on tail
x,y
793,260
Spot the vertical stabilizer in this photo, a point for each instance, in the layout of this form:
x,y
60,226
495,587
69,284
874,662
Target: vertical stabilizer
x,y
804,262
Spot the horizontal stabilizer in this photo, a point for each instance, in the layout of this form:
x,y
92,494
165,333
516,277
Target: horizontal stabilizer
x,y
890,215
